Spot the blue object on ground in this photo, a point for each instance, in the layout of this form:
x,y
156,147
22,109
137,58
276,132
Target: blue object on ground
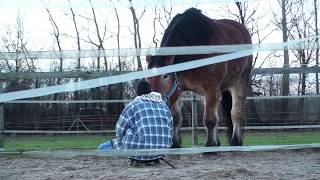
x,y
105,146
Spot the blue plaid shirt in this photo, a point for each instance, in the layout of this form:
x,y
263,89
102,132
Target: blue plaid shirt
x,y
145,123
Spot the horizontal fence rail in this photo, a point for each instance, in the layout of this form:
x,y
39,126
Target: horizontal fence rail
x,y
97,74
98,82
272,119
306,43
152,152
182,129
129,100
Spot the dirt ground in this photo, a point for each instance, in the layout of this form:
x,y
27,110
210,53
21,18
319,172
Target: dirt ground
x,y
293,164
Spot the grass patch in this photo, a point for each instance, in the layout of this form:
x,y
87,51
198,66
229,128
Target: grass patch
x,y
49,142
262,138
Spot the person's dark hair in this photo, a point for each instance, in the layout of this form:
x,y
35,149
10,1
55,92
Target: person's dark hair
x,y
143,87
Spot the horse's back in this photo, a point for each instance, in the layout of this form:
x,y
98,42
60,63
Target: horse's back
x,y
192,28
229,32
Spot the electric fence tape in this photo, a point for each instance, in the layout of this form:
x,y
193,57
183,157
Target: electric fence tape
x,y
98,82
176,151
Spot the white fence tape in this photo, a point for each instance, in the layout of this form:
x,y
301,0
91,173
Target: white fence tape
x,y
98,82
284,97
149,152
184,50
118,78
129,100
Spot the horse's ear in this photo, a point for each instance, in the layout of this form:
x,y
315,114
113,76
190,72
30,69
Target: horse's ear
x,y
148,59
169,60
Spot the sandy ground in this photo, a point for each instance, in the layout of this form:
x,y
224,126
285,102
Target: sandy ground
x,y
293,164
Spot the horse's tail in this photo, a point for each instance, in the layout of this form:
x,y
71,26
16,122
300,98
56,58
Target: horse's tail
x,y
226,110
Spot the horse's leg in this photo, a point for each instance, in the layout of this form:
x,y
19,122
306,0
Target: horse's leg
x,y
226,106
177,117
211,118
238,100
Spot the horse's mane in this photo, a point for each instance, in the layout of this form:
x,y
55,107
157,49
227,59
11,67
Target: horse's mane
x,y
156,61
190,28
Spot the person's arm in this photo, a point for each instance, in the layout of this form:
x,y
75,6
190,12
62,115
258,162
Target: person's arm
x,y
124,122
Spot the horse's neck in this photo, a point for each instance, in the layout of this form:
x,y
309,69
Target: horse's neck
x,y
187,58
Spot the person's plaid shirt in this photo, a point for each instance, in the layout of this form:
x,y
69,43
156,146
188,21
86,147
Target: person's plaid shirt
x,y
145,123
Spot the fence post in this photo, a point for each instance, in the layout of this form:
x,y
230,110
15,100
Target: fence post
x,y
1,121
194,120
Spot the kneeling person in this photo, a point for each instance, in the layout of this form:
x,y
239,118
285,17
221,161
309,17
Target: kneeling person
x,y
145,123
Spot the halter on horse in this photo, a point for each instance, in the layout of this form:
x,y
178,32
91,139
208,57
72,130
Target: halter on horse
x,y
173,89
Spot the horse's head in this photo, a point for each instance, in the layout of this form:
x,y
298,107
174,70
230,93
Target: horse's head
x,y
166,84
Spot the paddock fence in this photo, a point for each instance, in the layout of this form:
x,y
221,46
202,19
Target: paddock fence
x,y
298,114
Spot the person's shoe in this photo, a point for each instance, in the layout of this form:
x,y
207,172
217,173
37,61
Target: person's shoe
x,y
105,146
143,163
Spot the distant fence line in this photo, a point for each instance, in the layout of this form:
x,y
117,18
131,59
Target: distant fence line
x,y
97,74
303,110
298,44
305,43
290,127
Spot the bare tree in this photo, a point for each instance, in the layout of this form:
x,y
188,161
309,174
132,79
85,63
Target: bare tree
x,y
162,18
137,38
317,40
56,34
78,66
77,33
118,38
14,41
283,24
300,20
155,40
100,38
285,79
245,14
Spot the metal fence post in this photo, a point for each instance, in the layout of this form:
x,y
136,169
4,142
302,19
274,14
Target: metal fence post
x,y
1,121
194,120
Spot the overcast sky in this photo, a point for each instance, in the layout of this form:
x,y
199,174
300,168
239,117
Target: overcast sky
x,y
38,30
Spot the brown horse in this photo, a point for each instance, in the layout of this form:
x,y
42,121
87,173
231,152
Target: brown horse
x,y
225,81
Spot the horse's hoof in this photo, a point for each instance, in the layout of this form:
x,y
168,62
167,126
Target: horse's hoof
x,y
176,145
208,144
235,142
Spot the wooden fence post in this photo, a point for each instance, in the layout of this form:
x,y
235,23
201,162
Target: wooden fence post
x,y
194,120
1,121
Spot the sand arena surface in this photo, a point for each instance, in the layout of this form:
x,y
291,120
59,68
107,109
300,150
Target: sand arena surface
x,y
285,164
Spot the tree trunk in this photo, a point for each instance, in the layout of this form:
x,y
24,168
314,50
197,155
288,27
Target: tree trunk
x,y
137,39
317,40
303,84
285,77
241,15
118,45
76,93
56,33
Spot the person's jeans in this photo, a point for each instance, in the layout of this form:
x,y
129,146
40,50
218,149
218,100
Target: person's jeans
x,y
105,146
